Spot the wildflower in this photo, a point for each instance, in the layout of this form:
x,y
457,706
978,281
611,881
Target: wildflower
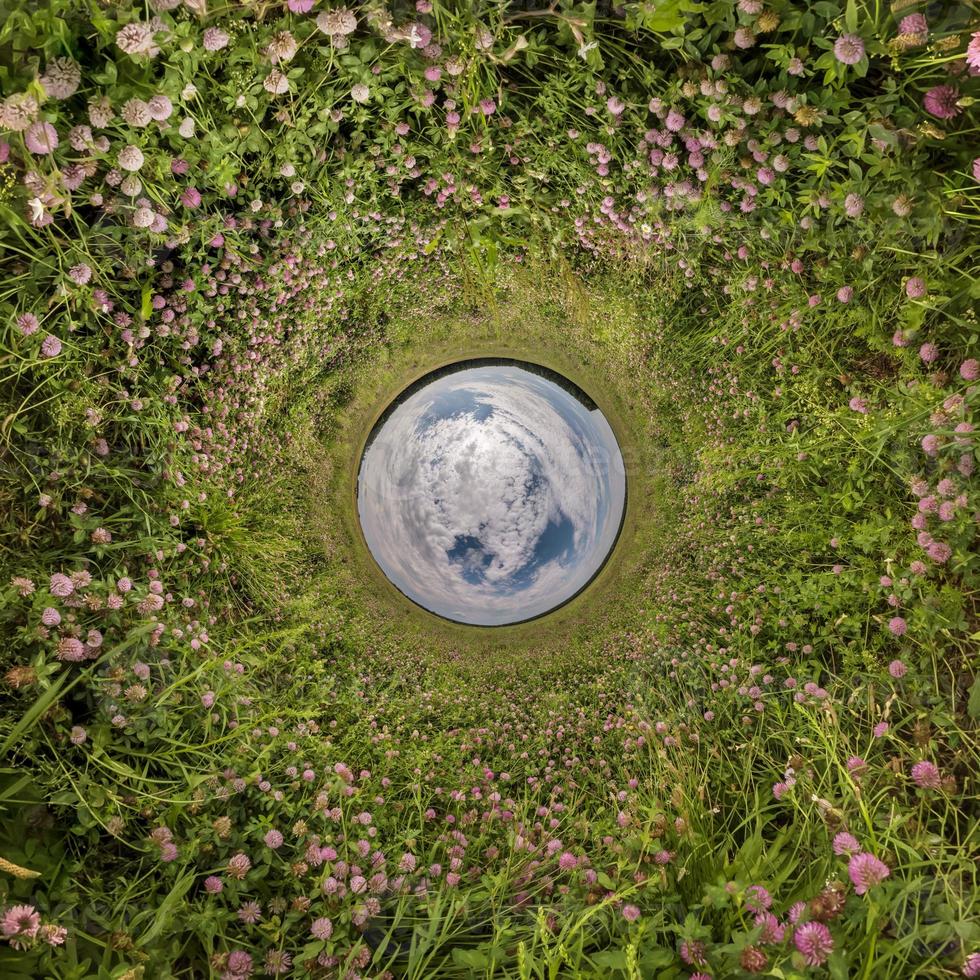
x,y
100,112
239,965
80,274
897,626
915,288
27,323
239,866
926,775
753,959
360,93
41,138
143,218
757,899
866,871
694,952
970,369
845,843
18,111
337,23
567,861
78,735
61,78
213,885
321,928
276,83
940,101
273,839
215,39
52,935
282,47
814,941
20,922
61,585
277,962
136,113
772,929
137,39
854,205
631,913
971,967
973,51
250,913
849,49
929,353
71,649
915,28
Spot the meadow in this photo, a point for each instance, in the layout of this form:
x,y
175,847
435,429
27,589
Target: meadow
x,y
232,233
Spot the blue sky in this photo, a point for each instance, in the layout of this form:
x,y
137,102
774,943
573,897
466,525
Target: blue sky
x,y
491,495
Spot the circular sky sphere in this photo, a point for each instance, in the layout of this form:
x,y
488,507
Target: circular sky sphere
x,y
491,492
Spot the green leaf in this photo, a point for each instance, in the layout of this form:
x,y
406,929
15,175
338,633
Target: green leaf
x,y
163,913
837,964
973,706
610,959
473,959
851,16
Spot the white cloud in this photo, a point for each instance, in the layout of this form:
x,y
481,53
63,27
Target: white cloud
x,y
494,454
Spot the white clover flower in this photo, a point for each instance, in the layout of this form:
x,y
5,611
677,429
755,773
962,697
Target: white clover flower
x,y
18,111
131,185
160,107
276,83
131,158
61,78
143,218
137,113
186,128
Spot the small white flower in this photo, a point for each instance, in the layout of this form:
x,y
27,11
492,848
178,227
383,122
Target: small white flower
x,y
190,90
131,185
360,92
256,205
37,208
186,128
143,218
131,158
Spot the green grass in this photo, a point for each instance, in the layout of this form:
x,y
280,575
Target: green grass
x,y
527,322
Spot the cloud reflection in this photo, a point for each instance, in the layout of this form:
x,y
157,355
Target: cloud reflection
x,y
491,494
